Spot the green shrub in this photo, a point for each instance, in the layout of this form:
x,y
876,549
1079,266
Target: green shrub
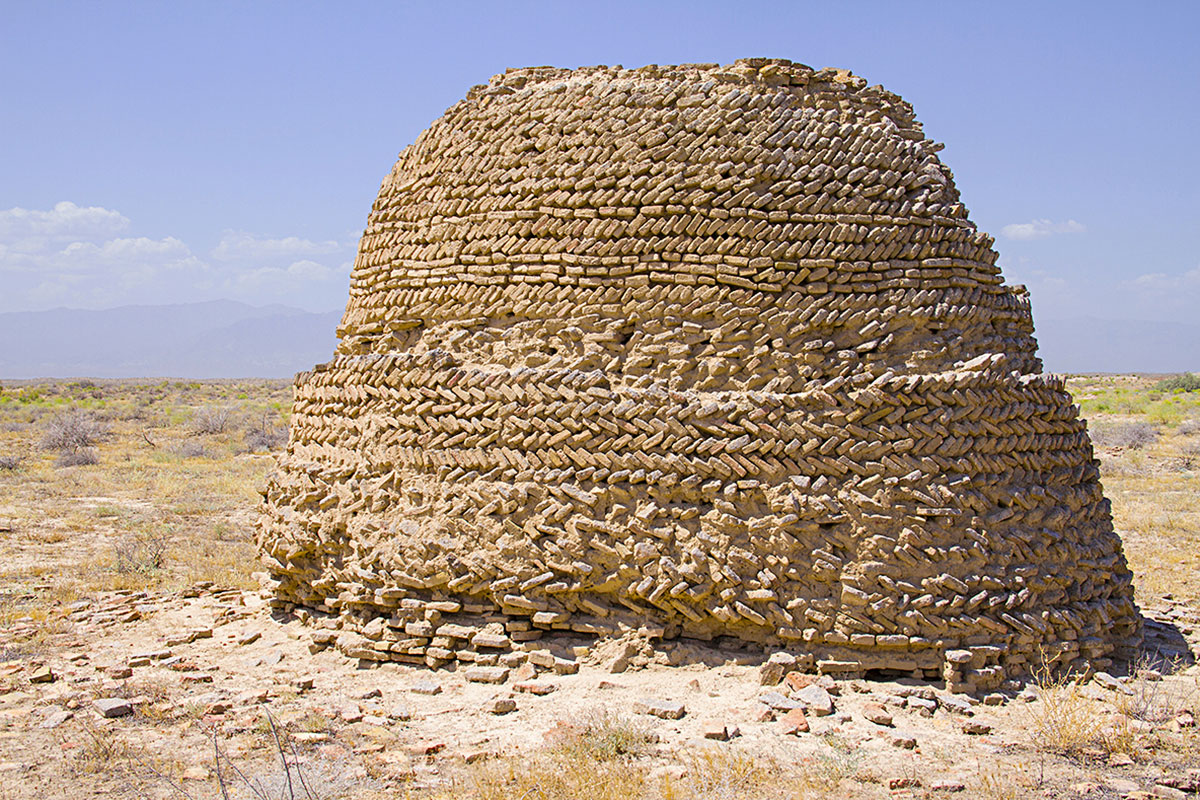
x,y
1187,382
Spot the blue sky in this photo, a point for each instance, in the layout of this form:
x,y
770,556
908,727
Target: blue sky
x,y
168,152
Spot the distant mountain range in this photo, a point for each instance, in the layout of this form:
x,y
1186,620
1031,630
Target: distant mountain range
x,y
218,339
226,339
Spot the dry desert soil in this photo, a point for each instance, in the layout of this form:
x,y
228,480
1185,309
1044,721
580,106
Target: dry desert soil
x,y
139,657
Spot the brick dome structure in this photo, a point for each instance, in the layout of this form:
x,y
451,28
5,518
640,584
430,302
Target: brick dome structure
x,y
698,350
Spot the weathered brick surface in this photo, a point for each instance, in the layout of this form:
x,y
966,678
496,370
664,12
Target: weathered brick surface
x,y
709,350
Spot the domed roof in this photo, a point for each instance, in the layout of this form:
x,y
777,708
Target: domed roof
x,y
765,176
708,350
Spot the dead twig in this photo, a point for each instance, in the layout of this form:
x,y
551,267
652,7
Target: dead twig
x,y
164,778
217,759
256,788
300,773
282,756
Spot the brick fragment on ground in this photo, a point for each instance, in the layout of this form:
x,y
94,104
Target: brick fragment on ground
x,y
719,731
113,707
427,687
875,712
539,688
793,722
487,674
502,705
815,700
666,709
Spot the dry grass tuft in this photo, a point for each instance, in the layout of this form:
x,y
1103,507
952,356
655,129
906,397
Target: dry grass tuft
x,y
1153,701
1002,782
611,757
595,756
191,450
1064,721
602,735
312,721
1189,455
553,776
83,457
716,774
264,436
142,554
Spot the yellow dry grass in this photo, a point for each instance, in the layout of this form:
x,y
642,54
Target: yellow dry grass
x,y
167,507
1154,488
164,508
612,756
1157,511
1066,721
703,774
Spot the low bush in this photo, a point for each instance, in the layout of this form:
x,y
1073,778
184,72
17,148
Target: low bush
x,y
141,555
1189,455
10,463
191,450
212,420
1187,382
83,457
553,776
73,431
601,735
265,437
1127,435
1065,721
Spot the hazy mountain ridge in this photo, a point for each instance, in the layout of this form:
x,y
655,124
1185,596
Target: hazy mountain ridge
x,y
218,339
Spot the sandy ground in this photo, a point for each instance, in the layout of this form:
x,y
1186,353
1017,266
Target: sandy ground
x,y
361,730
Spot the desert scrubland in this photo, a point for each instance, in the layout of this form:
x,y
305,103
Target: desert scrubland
x,y
139,657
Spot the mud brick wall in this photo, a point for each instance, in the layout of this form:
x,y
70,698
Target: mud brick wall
x,y
701,350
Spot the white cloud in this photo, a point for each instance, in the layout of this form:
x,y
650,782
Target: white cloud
x,y
113,272
1164,283
169,253
84,257
65,221
287,270
285,278
309,271
103,257
1162,295
240,246
1040,229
